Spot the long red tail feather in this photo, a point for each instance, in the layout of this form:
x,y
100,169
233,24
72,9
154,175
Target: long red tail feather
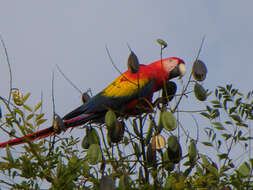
x,y
31,137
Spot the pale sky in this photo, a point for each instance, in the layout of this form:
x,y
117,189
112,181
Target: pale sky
x,y
73,34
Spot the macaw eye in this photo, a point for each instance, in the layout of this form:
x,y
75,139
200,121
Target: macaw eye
x,y
170,60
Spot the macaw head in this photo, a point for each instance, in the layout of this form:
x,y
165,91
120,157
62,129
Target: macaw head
x,y
174,67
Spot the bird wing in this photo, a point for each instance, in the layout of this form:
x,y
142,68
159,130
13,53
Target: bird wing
x,y
119,93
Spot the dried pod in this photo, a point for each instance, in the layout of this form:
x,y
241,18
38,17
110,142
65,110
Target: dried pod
x,y
199,92
17,97
133,63
174,149
171,89
58,123
116,133
85,97
199,70
158,142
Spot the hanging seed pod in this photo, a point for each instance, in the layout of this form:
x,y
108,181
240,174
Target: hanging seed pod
x,y
151,155
85,97
199,70
171,89
116,133
158,142
168,121
133,63
58,123
17,97
199,92
110,119
174,149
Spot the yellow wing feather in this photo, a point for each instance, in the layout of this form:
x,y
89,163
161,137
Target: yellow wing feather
x,y
122,86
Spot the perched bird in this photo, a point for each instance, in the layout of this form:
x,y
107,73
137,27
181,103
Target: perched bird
x,y
129,94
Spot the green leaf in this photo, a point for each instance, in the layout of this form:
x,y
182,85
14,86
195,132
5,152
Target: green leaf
x,y
38,117
39,122
30,116
192,151
94,154
168,121
207,143
27,108
17,110
37,106
244,169
26,97
218,125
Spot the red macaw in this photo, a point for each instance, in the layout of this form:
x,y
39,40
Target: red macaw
x,y
123,95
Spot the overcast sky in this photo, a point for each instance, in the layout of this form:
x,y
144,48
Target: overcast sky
x,y
73,34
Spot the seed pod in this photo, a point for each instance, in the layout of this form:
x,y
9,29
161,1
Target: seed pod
x,y
116,133
171,89
167,164
133,63
199,70
157,142
90,138
58,123
85,97
174,149
110,119
199,92
17,97
162,43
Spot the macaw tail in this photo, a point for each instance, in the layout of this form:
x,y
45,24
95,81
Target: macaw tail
x,y
30,137
71,123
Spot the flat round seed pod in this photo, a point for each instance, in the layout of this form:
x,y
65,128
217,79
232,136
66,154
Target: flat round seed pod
x,y
199,92
133,63
158,142
199,70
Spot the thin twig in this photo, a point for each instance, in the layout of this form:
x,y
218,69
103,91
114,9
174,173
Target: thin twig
x,y
67,79
115,67
189,80
9,66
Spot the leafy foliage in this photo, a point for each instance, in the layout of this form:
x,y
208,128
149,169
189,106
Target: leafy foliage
x,y
130,153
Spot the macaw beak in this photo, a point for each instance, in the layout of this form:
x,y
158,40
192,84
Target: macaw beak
x,y
178,71
182,70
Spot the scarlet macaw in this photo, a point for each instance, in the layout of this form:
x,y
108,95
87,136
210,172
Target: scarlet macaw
x,y
123,95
